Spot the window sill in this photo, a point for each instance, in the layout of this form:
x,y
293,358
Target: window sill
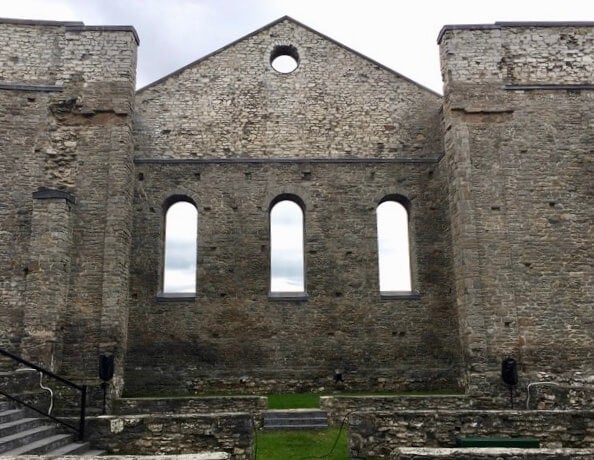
x,y
288,296
400,295
176,297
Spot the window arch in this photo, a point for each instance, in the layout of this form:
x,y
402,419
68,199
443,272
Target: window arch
x,y
180,249
287,264
393,246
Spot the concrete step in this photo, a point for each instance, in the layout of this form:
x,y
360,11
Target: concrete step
x,y
41,446
295,419
22,438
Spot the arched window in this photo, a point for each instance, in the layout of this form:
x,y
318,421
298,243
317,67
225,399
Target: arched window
x,y
393,250
181,231
286,247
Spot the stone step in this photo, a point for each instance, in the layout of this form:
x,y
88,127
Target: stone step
x,y
5,405
304,426
297,419
22,435
295,413
73,448
23,438
11,414
15,426
41,446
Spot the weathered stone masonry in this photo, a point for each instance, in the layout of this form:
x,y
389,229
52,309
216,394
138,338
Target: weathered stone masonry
x,y
67,98
497,175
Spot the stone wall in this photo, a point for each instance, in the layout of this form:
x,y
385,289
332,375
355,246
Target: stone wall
x,y
378,434
67,97
205,404
237,134
518,113
340,407
232,433
496,177
545,395
233,338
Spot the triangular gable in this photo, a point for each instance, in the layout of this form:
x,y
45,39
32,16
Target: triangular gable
x,y
268,26
337,103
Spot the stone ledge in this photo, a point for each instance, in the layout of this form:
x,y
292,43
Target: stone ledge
x,y
272,160
200,456
501,25
288,296
27,87
400,295
82,28
580,87
427,453
175,297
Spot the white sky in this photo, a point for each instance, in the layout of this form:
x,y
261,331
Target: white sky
x,y
286,248
393,248
401,35
180,248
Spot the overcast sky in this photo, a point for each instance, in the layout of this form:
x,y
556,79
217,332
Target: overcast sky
x,y
401,35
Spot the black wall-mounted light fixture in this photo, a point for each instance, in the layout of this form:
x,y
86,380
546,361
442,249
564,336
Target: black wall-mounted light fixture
x,y
106,369
509,375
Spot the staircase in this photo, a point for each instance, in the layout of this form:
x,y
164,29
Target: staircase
x,y
24,435
295,419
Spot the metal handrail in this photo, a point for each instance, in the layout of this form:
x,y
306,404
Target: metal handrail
x,y
82,388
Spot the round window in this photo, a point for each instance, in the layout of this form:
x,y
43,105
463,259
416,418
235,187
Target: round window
x,y
284,58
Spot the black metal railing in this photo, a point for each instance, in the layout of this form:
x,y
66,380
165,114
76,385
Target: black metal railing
x,y
80,429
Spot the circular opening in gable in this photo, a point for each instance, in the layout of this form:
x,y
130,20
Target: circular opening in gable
x,y
284,58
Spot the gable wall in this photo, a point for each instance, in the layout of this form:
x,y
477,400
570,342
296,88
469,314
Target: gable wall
x,y
225,120
336,104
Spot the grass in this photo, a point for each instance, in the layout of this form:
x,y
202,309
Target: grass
x,y
298,445
312,400
293,401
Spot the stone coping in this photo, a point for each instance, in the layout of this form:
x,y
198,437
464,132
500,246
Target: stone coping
x,y
198,456
551,412
396,396
188,397
500,25
167,416
421,453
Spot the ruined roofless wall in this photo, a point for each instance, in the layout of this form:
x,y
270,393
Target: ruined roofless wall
x,y
518,114
214,132
67,99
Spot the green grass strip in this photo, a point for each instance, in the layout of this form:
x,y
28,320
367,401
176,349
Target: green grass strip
x,y
294,401
295,444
